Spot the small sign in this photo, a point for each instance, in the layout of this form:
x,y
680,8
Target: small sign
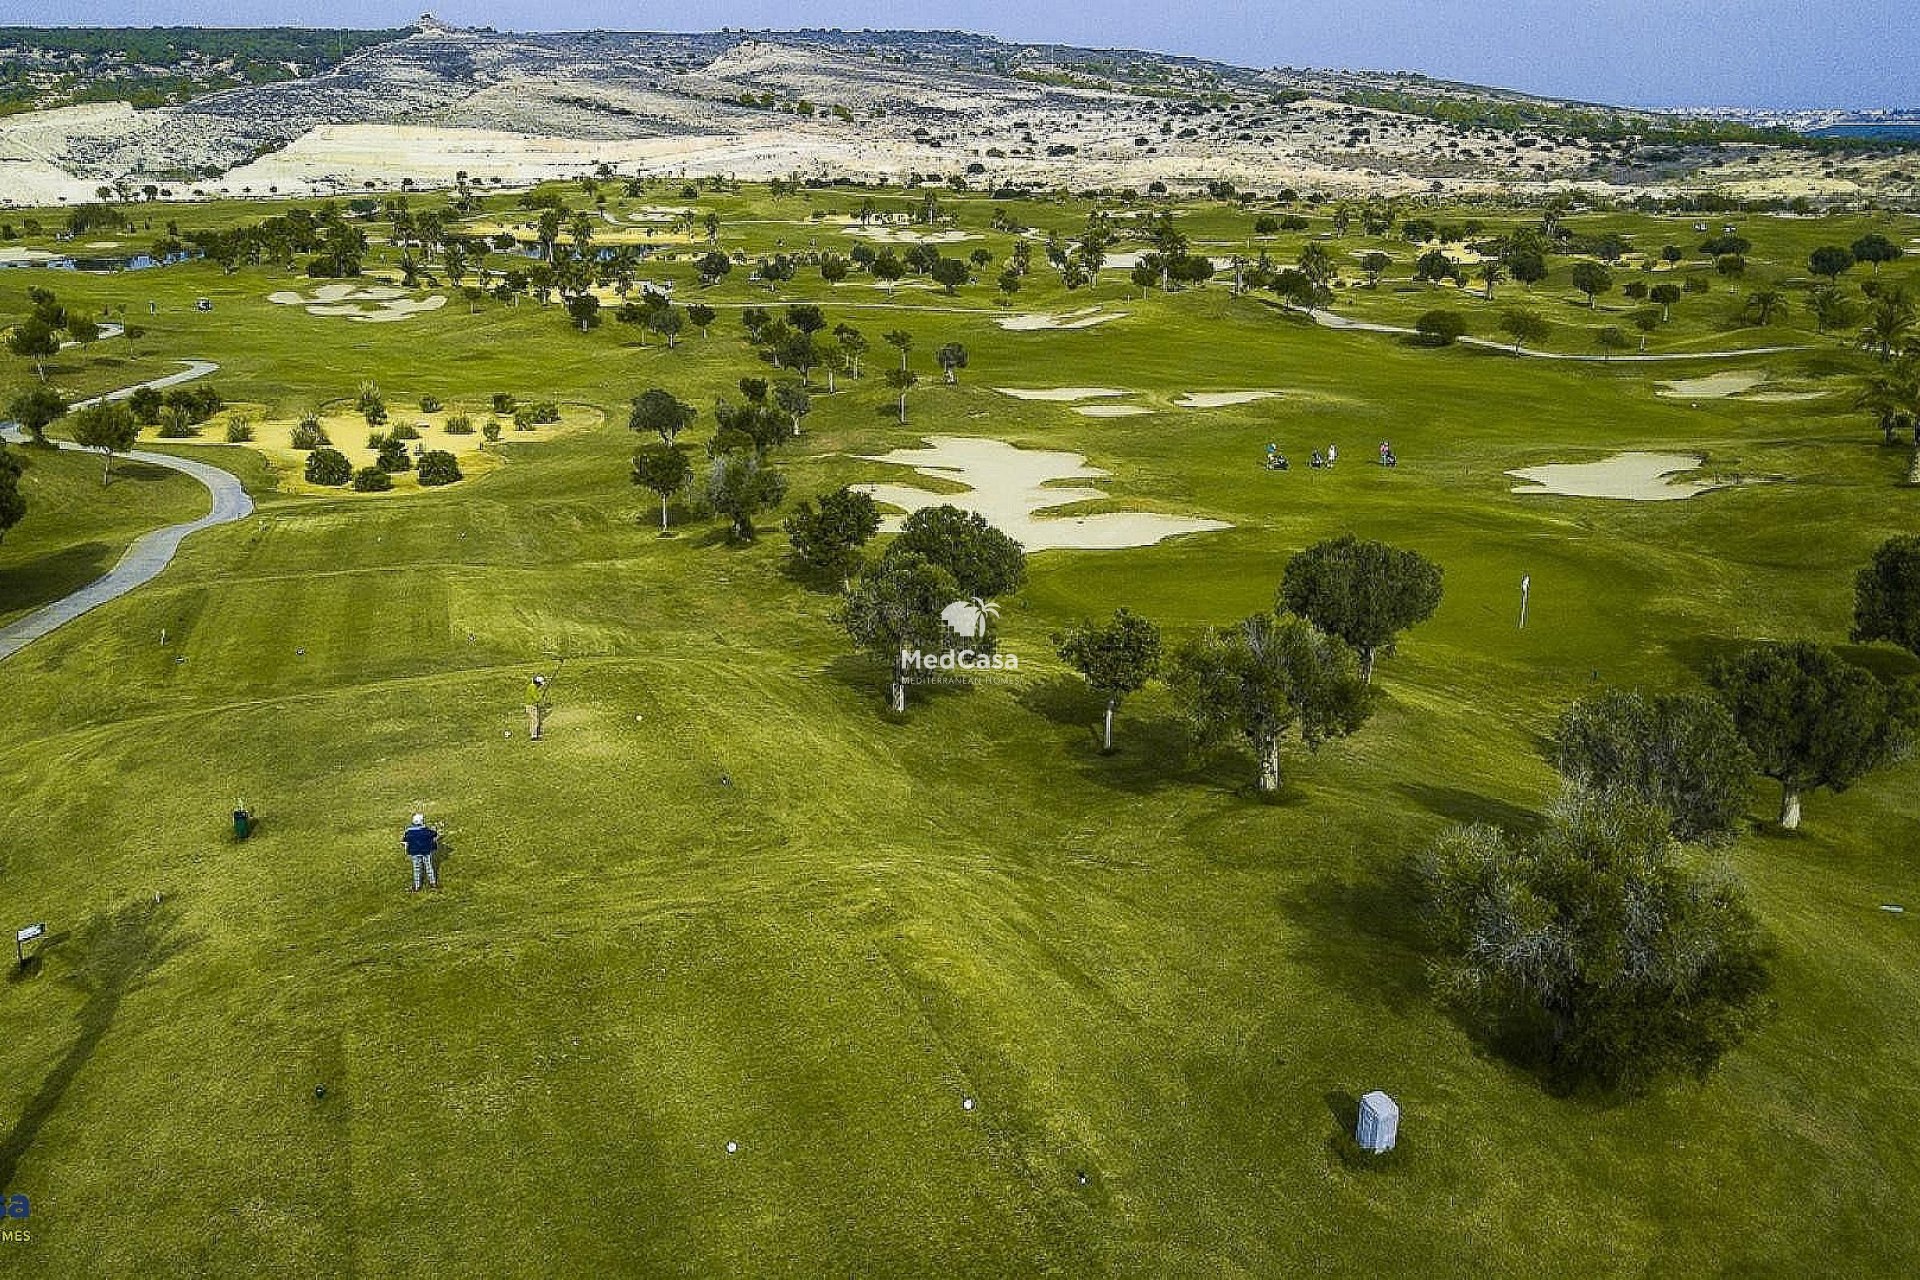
x,y
29,933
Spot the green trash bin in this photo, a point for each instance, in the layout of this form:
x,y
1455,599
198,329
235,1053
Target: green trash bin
x,y
242,824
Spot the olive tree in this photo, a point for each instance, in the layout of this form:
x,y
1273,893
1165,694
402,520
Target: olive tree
x,y
827,536
1678,752
1255,682
107,426
663,468
982,560
739,486
1115,658
1886,595
1599,951
893,612
659,411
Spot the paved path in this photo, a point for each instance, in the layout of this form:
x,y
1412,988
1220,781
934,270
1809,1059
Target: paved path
x,y
151,552
1329,320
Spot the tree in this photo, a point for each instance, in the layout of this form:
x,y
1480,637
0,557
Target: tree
x,y
1811,719
900,340
1593,280
1890,324
949,274
1255,682
713,266
1491,274
657,410
1886,595
107,426
1731,266
739,486
663,468
951,356
793,400
984,561
1363,593
37,408
1441,328
1610,340
1664,296
1766,303
827,537
13,503
1830,261
1115,658
1893,396
1678,752
1597,950
1875,249
1373,266
893,611
328,467
665,321
34,339
1831,307
701,316
853,345
1524,327
902,380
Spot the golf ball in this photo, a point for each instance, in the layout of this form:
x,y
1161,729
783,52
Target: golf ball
x,y
732,1147
967,1104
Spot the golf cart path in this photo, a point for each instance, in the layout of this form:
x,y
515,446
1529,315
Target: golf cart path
x,y
151,552
1329,320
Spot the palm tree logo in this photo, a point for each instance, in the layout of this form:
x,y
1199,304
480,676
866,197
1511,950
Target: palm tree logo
x,y
968,618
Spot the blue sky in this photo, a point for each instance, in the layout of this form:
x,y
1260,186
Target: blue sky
x,y
1785,53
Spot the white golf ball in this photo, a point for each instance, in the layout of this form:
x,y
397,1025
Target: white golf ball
x,y
967,1104
732,1147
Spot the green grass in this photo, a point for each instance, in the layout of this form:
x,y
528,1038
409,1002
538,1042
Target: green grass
x,y
729,900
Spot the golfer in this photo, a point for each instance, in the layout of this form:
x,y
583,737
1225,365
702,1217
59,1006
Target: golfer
x,y
420,841
536,706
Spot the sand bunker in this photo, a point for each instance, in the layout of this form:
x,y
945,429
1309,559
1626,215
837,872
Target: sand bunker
x,y
15,254
1717,386
1220,399
897,235
1062,393
1009,486
372,304
1631,477
1111,410
1085,318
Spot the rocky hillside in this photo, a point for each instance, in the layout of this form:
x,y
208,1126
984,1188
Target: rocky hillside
x,y
512,107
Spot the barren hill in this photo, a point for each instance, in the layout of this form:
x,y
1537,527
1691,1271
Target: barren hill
x,y
887,105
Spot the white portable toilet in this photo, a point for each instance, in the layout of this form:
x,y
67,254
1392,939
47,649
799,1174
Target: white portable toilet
x,y
1379,1123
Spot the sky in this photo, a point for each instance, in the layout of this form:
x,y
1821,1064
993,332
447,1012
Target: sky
x,y
1755,53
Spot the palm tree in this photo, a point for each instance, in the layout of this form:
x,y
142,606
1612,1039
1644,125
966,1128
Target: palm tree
x,y
1890,328
1766,303
1893,397
1491,274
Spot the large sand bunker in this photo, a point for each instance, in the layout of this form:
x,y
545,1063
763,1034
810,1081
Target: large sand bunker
x,y
1733,384
896,235
1085,318
1220,399
371,304
1062,393
1009,486
1631,477
1111,410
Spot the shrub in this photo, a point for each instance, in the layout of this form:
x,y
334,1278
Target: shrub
x,y
371,480
459,425
404,431
1441,328
438,467
145,403
376,439
239,431
328,467
393,456
544,412
309,434
430,404
523,419
502,402
197,403
491,431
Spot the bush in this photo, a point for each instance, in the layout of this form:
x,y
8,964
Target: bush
x,y
146,404
430,404
404,431
393,457
459,425
1441,328
544,412
371,480
491,431
438,467
239,431
376,440
198,403
309,434
502,402
328,467
174,426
